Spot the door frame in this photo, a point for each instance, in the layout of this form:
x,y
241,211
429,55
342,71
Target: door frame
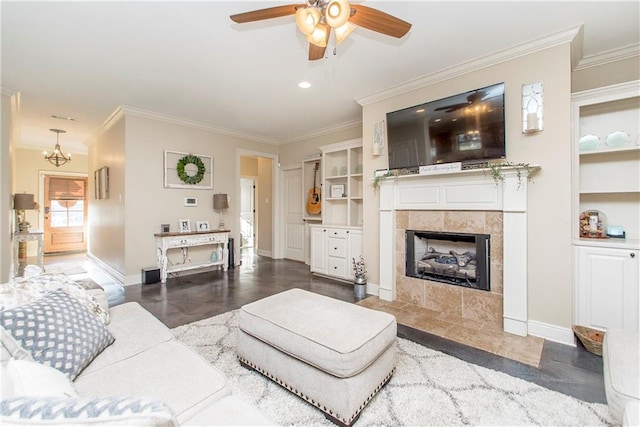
x,y
276,248
255,211
41,176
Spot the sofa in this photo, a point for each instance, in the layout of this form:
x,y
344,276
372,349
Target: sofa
x,y
69,359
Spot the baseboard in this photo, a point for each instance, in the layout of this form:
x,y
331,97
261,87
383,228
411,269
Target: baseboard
x,y
373,289
552,333
264,252
117,276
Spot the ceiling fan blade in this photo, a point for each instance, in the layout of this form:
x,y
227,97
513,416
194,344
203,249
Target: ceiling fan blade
x,y
378,21
316,52
268,13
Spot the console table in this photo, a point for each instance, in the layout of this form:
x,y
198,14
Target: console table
x,y
168,241
26,236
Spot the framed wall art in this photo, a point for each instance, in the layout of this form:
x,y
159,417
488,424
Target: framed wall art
x,y
188,170
184,226
101,183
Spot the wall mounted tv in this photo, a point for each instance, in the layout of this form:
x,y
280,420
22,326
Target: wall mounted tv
x,y
467,128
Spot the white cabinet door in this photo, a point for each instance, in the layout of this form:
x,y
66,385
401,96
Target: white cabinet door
x,y
318,261
607,290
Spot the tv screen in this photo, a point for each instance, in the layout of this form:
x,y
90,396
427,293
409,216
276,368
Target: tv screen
x,y
468,128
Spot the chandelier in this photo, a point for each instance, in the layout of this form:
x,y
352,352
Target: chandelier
x,y
319,17
57,158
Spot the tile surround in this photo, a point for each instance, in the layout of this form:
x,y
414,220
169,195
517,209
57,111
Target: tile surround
x,y
465,303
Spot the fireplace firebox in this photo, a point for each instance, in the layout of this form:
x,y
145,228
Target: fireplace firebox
x,y
455,258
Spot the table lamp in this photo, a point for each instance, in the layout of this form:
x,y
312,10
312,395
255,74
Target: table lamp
x,y
220,203
21,203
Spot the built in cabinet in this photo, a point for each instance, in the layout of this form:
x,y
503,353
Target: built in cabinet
x,y
338,239
606,179
333,249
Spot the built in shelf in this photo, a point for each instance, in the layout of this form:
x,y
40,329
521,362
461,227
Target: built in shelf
x,y
610,150
608,243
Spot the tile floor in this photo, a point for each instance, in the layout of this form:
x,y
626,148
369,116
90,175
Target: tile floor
x,y
527,350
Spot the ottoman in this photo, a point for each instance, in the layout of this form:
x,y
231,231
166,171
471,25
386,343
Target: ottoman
x,y
333,354
621,371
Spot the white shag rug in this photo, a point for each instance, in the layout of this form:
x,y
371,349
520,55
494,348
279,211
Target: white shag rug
x,y
429,388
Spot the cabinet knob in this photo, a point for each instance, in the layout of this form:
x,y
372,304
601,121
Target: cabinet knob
x,y
632,254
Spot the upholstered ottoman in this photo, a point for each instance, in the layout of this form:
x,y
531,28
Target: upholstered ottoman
x,y
333,354
620,356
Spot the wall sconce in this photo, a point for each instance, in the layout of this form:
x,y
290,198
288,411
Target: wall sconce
x,y
532,114
378,137
21,203
220,203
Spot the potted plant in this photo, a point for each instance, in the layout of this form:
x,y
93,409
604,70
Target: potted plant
x,y
360,278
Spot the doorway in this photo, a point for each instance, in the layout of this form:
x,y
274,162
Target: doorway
x,y
65,213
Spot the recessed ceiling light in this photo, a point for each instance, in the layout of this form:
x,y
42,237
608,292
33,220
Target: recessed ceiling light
x,y
304,85
67,118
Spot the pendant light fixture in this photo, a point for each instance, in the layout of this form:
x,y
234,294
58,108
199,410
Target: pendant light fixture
x,y
57,158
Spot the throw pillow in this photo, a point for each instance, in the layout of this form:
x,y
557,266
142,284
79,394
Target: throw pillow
x,y
35,379
109,411
26,289
56,330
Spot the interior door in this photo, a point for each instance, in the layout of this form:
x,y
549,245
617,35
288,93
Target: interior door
x,y
65,214
247,212
294,230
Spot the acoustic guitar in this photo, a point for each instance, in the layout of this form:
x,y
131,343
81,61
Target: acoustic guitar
x,y
314,205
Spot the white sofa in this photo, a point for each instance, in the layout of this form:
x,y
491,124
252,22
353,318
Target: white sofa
x,y
175,385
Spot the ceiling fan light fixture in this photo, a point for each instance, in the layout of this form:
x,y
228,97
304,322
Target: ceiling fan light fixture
x,y
337,13
343,31
320,35
306,19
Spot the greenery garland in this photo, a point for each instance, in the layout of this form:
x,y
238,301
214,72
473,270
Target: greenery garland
x,y
184,176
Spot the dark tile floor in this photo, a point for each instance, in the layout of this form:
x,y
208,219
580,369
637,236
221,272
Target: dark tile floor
x,y
573,371
570,370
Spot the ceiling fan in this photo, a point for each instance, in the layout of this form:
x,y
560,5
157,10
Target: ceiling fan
x,y
317,18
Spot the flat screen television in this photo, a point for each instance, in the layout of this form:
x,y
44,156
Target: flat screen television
x,y
467,128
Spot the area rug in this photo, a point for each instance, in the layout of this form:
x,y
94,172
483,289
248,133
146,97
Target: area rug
x,y
429,388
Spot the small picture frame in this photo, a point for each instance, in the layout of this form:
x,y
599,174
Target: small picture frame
x,y
191,201
202,226
184,225
337,190
166,228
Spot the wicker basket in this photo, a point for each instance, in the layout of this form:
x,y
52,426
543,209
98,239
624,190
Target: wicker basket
x,y
590,338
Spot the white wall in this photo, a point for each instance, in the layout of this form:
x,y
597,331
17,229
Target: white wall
x,y
6,183
549,221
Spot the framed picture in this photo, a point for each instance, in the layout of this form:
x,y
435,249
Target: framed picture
x,y
191,201
337,190
101,183
184,225
166,228
202,226
188,170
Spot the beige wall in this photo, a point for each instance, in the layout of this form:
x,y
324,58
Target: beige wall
x,y
264,206
549,218
106,216
606,74
292,154
139,202
248,166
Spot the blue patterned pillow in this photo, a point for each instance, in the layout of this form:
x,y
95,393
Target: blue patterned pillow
x,y
85,411
56,330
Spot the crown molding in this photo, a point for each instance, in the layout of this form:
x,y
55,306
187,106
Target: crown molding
x,y
324,131
139,112
606,57
549,41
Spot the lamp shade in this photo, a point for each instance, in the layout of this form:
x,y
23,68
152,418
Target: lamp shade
x,y
23,201
306,19
220,201
337,13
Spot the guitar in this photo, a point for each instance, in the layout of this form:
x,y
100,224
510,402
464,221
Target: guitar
x,y
314,205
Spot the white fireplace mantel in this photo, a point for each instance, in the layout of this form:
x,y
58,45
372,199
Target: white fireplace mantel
x,y
473,190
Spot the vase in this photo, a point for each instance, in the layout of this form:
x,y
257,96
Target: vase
x,y
360,287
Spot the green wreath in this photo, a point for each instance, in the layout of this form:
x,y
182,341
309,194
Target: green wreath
x,y
184,176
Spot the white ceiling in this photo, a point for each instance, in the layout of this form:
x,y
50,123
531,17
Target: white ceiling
x,y
189,60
